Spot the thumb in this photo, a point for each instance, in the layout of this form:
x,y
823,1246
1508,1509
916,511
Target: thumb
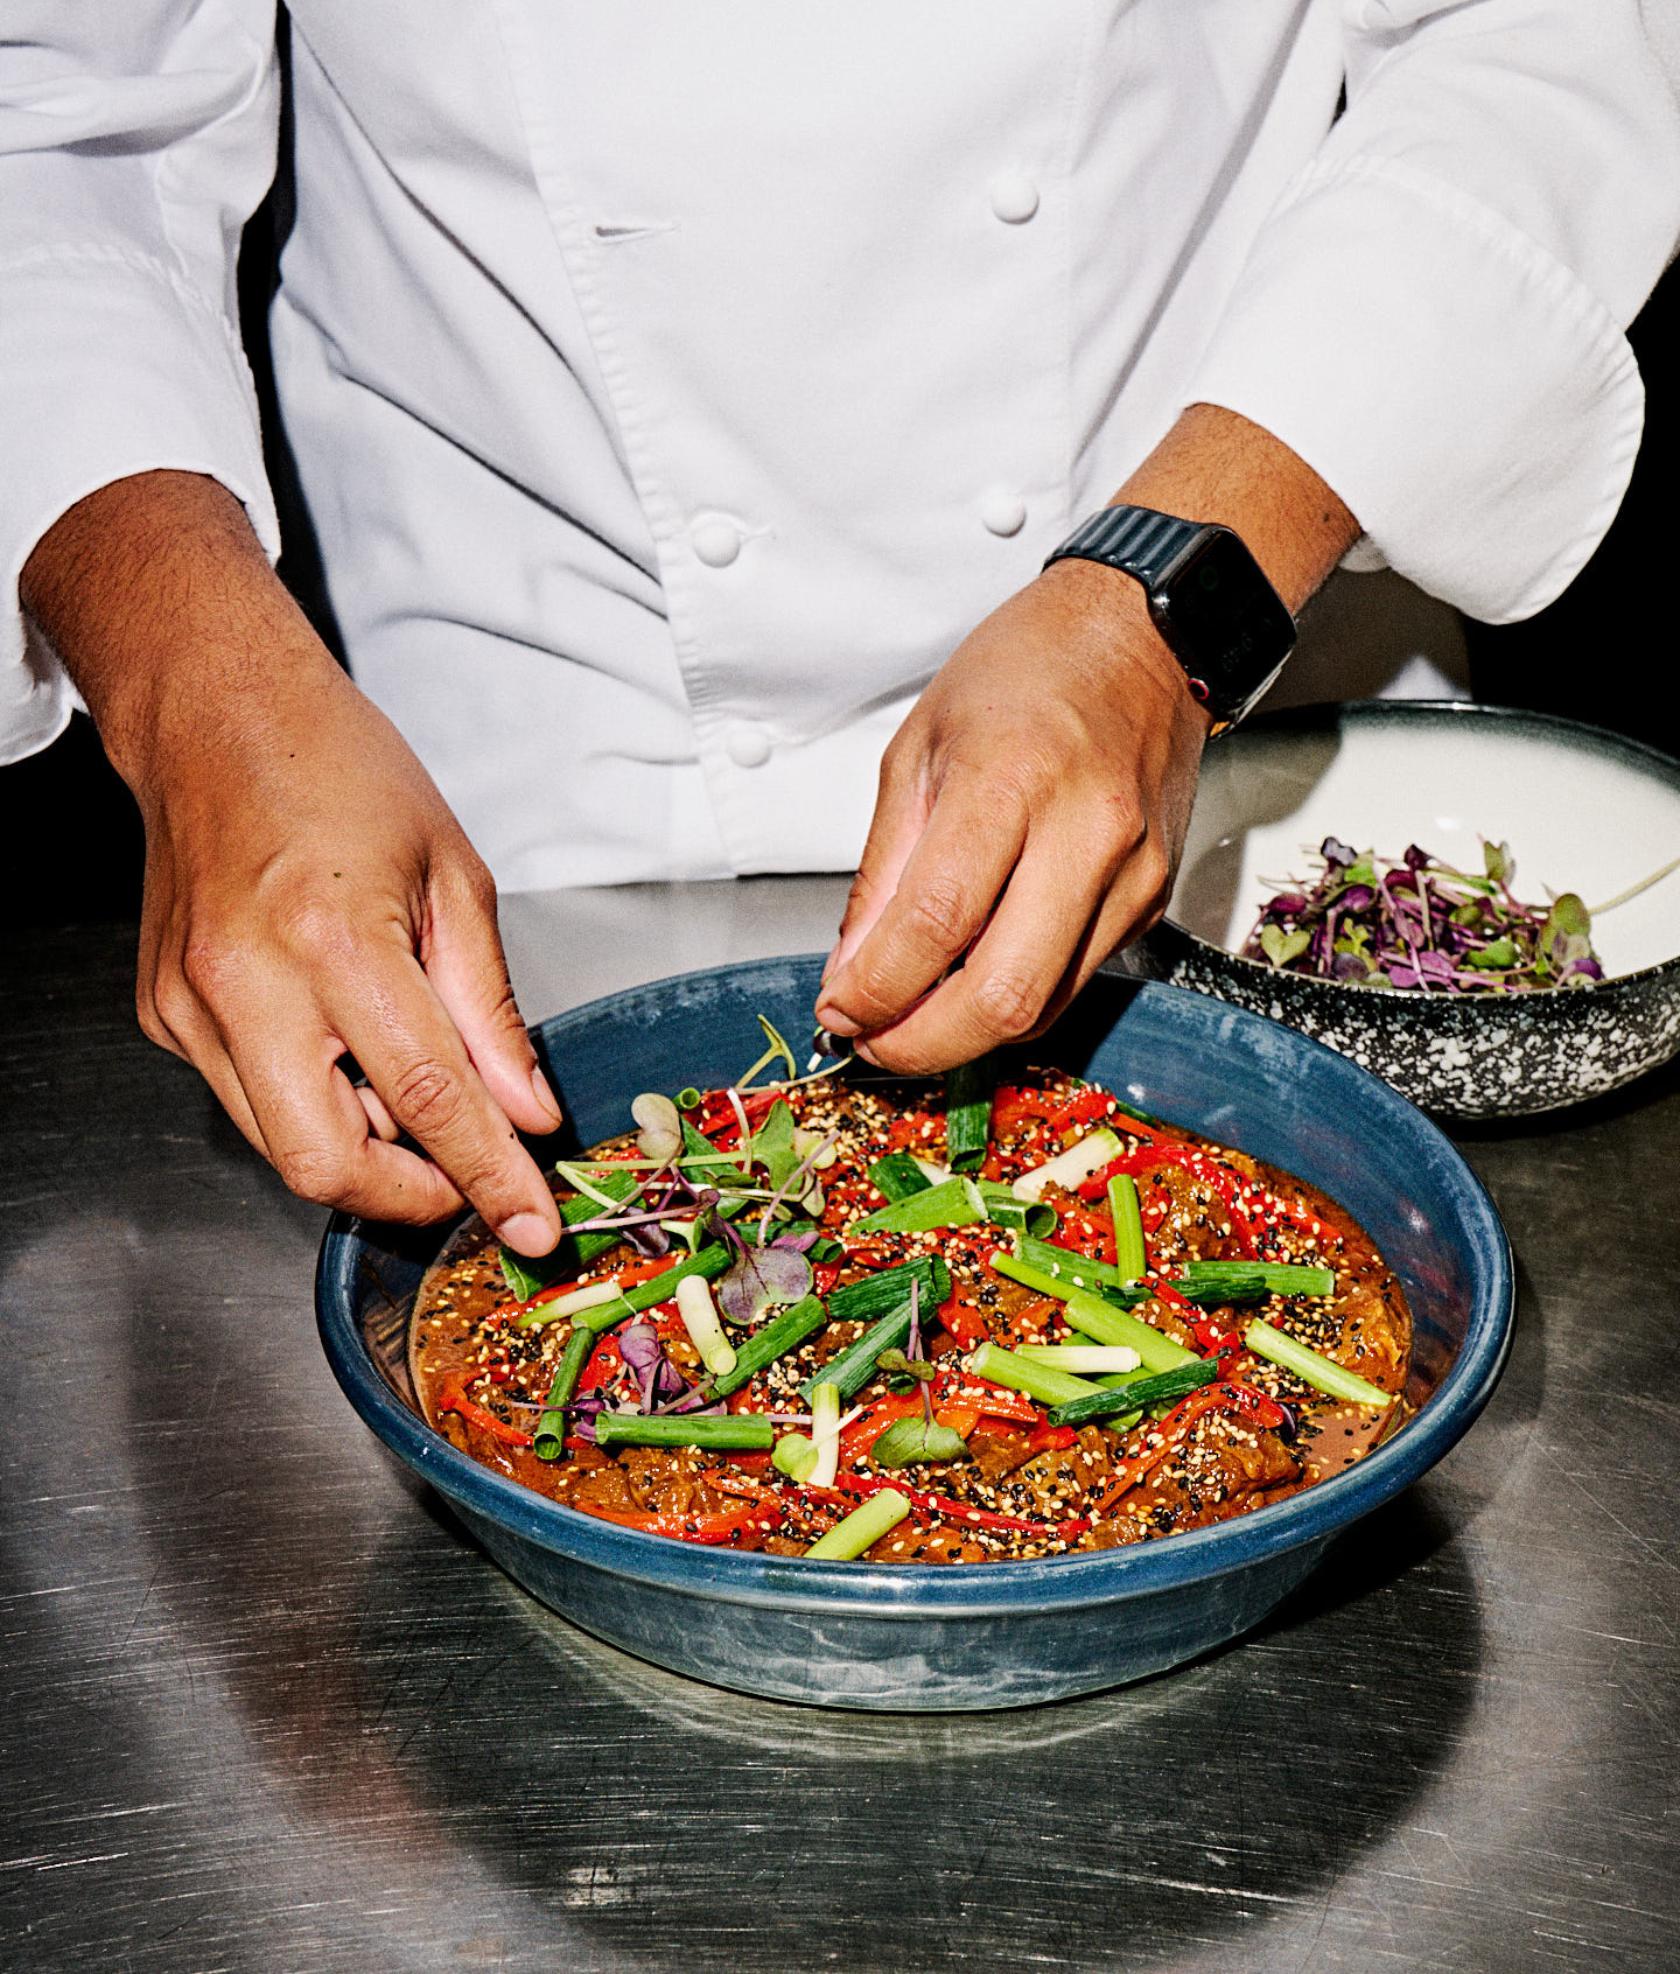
x,y
468,971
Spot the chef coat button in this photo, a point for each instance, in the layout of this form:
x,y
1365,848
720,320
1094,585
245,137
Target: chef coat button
x,y
747,745
1014,197
1003,513
716,542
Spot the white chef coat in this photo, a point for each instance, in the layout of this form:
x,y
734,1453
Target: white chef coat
x,y
672,386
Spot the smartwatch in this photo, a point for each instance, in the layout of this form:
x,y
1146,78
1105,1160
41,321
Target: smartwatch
x,y
1221,619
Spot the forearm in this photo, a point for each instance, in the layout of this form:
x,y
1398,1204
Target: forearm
x,y
157,596
1216,466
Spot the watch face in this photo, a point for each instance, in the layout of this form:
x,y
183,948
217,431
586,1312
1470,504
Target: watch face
x,y
1223,618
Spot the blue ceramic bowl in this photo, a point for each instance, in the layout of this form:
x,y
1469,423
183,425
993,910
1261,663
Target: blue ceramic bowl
x,y
995,1634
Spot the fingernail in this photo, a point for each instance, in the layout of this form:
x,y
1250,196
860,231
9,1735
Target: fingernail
x,y
837,1023
544,1095
526,1233
865,1054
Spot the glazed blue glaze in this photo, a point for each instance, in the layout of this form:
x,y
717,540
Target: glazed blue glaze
x,y
980,1635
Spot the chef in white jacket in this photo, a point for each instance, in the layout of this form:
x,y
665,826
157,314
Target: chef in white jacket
x,y
686,399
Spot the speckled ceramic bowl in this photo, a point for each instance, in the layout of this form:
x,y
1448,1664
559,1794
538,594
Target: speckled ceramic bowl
x,y
1582,810
921,1637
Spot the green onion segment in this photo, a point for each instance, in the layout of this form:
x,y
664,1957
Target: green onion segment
x,y
955,1202
968,1115
785,1331
550,1435
1096,1317
1130,1258
742,1432
705,1329
1163,1387
1008,1368
1068,1168
825,1433
865,1525
1322,1373
898,1175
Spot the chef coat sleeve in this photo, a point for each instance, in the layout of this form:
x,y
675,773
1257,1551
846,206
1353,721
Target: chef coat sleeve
x,y
135,140
1431,317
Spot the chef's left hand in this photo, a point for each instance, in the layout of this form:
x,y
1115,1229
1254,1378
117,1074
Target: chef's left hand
x,y
1030,816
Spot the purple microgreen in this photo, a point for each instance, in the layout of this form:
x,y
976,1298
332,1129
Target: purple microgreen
x,y
761,1278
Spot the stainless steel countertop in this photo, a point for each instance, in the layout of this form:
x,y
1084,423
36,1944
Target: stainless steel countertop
x,y
265,1708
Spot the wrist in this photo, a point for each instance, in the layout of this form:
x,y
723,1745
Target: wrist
x,y
1130,653
159,600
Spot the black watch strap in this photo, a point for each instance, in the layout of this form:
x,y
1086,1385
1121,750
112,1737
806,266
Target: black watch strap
x,y
1208,597
1135,540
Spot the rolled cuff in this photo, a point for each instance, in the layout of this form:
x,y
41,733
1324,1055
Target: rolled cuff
x,y
113,367
1470,400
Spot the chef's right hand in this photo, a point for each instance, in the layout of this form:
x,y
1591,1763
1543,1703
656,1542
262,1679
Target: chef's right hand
x,y
309,896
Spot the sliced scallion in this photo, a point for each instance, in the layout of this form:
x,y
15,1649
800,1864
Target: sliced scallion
x,y
955,1203
1069,1274
1312,1367
1130,1259
549,1438
795,1456
873,1295
1068,1168
573,1251
887,1293
710,1262
862,1528
1095,1316
968,1114
785,1331
1163,1388
1017,1373
590,1296
1025,1216
741,1432
1279,1277
897,1176
825,1433
705,1331
1083,1360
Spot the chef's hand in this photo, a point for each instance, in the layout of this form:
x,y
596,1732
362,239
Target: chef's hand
x,y
1030,815
308,893
1033,806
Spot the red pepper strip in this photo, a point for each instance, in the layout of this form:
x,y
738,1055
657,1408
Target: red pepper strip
x,y
716,1117
955,1511
1012,1105
723,1525
1210,1338
452,1397
1174,1429
1197,1164
873,1420
993,1400
1051,1439
964,1322
1255,1405
602,1365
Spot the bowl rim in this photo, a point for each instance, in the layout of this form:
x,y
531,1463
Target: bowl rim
x,y
1330,713
910,1591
